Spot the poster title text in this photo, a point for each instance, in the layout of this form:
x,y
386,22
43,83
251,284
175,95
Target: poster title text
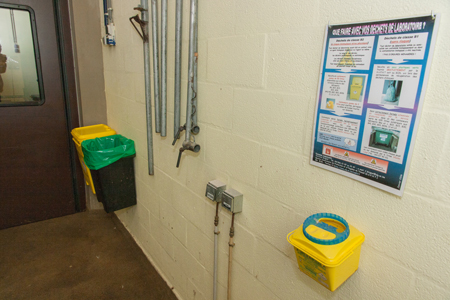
x,y
384,28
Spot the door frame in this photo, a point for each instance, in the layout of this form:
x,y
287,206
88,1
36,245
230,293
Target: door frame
x,y
67,65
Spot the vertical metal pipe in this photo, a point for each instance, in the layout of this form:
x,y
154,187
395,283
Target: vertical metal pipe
x,y
191,89
230,257
216,255
156,65
216,247
194,101
177,92
191,93
163,67
148,103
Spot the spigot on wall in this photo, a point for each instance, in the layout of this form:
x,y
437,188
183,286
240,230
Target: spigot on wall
x,y
188,145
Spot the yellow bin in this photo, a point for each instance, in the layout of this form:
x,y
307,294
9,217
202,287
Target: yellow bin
x,y
356,88
81,134
327,249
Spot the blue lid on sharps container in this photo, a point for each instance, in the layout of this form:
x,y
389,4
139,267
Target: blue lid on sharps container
x,y
317,222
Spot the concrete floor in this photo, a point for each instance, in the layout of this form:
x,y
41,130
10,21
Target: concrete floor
x,y
88,255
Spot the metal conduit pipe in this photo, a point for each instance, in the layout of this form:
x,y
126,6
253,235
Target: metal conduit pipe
x,y
163,67
193,56
143,24
177,92
191,91
148,103
195,129
216,255
156,65
230,257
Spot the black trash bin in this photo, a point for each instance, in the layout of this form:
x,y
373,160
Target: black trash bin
x,y
110,160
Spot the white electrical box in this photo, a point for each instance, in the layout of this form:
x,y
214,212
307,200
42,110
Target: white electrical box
x,y
232,200
214,190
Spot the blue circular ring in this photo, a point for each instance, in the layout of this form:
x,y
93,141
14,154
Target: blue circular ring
x,y
340,237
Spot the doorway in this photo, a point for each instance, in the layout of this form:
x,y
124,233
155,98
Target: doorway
x,y
39,176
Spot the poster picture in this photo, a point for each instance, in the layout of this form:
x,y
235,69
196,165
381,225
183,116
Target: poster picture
x,y
370,95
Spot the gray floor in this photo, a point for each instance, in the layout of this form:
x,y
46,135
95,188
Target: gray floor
x,y
88,255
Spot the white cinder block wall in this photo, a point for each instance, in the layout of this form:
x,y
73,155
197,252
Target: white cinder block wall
x,y
259,64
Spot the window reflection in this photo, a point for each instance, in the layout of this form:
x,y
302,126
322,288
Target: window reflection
x,y
19,82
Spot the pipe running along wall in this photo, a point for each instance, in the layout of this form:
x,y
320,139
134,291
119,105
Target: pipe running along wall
x,y
216,250
191,108
230,256
156,65
163,67
194,128
148,104
177,91
193,57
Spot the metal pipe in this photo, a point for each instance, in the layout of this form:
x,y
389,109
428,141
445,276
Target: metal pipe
x,y
216,255
191,93
191,90
230,257
195,128
156,65
148,103
14,32
163,67
191,146
177,92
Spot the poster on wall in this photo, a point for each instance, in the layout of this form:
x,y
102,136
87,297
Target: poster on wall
x,y
371,92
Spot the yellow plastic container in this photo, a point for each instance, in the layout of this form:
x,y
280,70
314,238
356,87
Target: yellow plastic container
x,y
81,134
356,88
327,249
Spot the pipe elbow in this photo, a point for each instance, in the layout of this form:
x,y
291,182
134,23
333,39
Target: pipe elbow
x,y
191,146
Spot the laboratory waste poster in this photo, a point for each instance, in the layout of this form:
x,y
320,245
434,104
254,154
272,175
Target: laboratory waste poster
x,y
370,95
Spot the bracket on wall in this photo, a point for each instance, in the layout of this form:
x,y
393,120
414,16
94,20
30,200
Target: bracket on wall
x,y
141,23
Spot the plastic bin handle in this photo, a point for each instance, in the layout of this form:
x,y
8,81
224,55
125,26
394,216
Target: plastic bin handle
x,y
315,220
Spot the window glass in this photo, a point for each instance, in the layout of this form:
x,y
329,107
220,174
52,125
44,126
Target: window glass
x,y
20,83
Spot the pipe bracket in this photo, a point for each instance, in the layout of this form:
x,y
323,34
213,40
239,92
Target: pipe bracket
x,y
142,24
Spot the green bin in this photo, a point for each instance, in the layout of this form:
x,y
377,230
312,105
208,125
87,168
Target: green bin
x,y
383,137
110,160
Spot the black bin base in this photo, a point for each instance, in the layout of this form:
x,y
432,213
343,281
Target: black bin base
x,y
115,184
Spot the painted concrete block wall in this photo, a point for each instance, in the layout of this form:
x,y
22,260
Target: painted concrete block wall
x,y
259,67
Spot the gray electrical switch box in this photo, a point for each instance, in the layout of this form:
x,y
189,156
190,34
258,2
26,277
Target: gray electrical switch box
x,y
214,190
232,200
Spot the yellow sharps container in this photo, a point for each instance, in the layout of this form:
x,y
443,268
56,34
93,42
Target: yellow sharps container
x,y
356,88
327,248
81,134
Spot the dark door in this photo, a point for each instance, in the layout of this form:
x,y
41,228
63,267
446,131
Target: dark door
x,y
36,158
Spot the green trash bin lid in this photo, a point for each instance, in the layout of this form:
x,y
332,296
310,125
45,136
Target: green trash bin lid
x,y
103,151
